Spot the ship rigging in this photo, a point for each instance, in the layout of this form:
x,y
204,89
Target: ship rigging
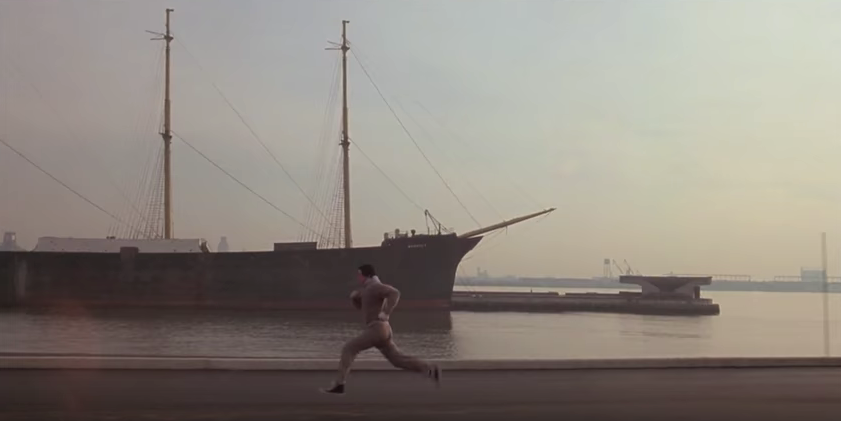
x,y
160,271
154,219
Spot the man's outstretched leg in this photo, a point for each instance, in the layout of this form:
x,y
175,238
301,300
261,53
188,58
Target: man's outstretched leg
x,y
410,363
352,348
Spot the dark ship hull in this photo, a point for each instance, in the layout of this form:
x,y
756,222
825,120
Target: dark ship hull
x,y
423,267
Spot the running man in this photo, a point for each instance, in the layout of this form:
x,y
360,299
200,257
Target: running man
x,y
377,300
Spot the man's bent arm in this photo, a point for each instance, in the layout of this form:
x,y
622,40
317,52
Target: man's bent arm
x,y
392,296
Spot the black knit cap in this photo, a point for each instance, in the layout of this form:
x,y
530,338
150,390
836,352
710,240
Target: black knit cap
x,y
367,271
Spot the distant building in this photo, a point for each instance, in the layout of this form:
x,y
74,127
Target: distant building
x,y
811,275
223,245
10,242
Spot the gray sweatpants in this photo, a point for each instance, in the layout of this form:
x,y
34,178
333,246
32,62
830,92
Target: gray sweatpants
x,y
378,335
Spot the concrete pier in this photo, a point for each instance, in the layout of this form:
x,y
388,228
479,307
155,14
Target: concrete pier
x,y
71,388
628,303
660,295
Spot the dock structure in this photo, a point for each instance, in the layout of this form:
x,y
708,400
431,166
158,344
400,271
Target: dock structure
x,y
661,295
668,287
688,287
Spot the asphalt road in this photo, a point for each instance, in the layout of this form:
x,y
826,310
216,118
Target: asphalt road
x,y
801,394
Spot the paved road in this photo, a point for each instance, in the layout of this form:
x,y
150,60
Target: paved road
x,y
801,394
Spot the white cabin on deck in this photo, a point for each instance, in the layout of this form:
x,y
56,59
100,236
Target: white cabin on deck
x,y
113,245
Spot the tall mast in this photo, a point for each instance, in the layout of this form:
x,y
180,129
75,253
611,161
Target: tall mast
x,y
345,139
167,136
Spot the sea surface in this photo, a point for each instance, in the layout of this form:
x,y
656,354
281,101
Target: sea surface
x,y
750,324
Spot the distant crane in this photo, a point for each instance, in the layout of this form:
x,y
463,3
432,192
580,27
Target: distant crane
x,y
630,270
620,270
627,270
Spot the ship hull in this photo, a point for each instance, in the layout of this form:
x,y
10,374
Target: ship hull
x,y
423,268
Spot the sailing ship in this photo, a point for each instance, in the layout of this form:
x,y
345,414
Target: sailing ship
x,y
298,275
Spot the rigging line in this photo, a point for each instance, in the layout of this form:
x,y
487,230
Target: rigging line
x,y
456,136
330,106
153,172
253,133
360,54
140,196
493,246
136,221
143,125
338,228
328,130
405,130
327,192
331,202
485,243
321,152
140,219
154,204
231,176
441,150
463,282
362,57
54,178
69,129
390,180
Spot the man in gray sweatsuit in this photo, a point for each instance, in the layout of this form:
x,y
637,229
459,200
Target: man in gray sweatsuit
x,y
377,300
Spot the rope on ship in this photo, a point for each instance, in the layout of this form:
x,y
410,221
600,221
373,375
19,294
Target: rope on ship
x,y
414,142
451,135
90,153
63,184
328,179
240,183
501,169
147,222
365,62
455,166
148,202
328,184
390,180
333,230
483,247
357,54
251,129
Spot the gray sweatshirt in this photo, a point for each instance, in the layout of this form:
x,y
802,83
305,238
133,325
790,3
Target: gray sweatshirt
x,y
377,298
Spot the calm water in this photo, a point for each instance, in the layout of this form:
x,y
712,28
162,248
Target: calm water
x,y
750,324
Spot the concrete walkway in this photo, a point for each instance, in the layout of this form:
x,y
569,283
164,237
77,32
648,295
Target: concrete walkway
x,y
785,390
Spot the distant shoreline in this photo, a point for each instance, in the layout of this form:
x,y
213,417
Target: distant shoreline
x,y
595,283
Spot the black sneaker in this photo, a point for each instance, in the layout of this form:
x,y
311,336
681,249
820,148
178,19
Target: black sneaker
x,y
337,389
435,375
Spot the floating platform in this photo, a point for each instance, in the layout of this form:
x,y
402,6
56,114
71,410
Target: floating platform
x,y
660,295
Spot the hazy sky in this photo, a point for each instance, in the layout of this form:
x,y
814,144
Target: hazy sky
x,y
685,136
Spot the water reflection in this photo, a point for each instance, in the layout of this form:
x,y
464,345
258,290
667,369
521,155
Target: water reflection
x,y
212,333
751,324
